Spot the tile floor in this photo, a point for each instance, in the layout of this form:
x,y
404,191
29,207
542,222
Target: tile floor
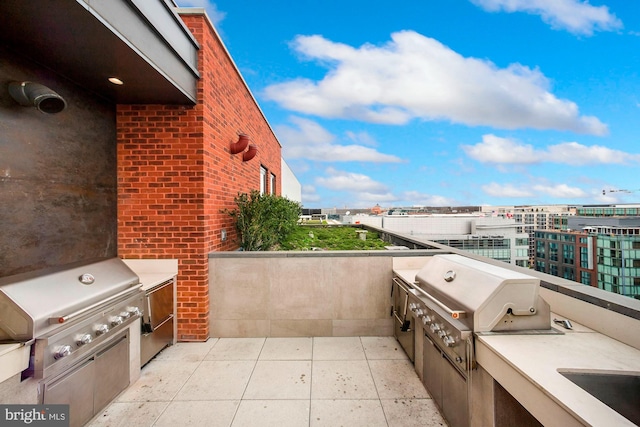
x,y
260,382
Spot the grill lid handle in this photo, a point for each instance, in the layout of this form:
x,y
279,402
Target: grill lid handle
x,y
63,319
455,314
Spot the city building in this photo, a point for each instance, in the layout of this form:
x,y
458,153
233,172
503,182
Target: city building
x,y
597,251
570,255
531,218
490,236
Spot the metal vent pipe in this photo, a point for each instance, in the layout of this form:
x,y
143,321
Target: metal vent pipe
x,y
30,94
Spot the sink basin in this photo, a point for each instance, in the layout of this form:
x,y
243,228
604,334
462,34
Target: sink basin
x,y
619,391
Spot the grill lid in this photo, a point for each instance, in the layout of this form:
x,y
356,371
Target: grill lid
x,y
32,304
485,292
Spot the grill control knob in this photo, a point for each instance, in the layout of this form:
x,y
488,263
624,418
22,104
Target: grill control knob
x,y
449,341
434,327
134,311
62,351
101,329
419,313
116,320
124,314
442,334
84,339
427,319
412,307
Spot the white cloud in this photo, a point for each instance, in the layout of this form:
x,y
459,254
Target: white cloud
x,y
534,190
338,180
423,199
506,190
497,150
308,140
414,76
573,153
309,194
361,137
575,16
494,149
559,191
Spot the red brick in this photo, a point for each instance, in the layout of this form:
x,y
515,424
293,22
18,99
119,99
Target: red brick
x,y
176,173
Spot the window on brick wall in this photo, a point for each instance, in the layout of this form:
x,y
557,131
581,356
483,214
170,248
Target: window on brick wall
x,y
263,180
272,184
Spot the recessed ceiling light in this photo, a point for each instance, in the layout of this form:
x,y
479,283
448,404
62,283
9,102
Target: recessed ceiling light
x,y
116,81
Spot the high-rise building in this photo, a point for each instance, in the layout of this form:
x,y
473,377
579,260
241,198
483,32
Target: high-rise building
x,y
596,251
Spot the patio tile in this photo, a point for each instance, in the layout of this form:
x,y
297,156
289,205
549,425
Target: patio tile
x,y
217,413
280,380
217,380
297,381
412,413
287,349
159,381
236,349
338,348
342,379
382,348
188,352
352,413
126,414
396,379
272,413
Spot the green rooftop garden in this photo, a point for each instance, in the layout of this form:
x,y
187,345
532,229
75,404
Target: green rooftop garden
x,y
330,238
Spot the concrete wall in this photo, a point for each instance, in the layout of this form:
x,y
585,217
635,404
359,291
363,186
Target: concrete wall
x,y
57,174
296,294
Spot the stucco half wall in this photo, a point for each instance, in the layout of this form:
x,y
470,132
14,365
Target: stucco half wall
x,y
280,294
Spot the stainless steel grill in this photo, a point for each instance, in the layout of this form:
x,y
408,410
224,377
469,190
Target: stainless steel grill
x,y
69,311
483,297
453,298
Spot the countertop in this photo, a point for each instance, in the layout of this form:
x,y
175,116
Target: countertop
x,y
14,358
152,272
537,359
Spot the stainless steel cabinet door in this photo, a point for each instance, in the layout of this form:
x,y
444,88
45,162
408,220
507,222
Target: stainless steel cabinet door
x,y
454,397
76,390
432,367
112,372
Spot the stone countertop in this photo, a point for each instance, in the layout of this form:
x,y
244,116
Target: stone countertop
x,y
152,272
538,358
14,358
408,275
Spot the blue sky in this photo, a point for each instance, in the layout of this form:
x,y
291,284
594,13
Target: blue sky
x,y
446,102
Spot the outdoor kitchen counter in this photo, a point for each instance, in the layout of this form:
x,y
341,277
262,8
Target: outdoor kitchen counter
x,y
14,358
152,272
527,365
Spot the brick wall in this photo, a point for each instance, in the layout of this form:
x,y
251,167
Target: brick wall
x,y
176,175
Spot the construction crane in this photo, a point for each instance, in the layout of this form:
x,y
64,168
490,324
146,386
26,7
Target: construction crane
x,y
604,192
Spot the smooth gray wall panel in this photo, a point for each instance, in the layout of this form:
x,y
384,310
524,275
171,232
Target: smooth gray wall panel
x,y
58,185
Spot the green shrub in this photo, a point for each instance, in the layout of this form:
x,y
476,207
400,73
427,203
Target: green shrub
x,y
263,221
